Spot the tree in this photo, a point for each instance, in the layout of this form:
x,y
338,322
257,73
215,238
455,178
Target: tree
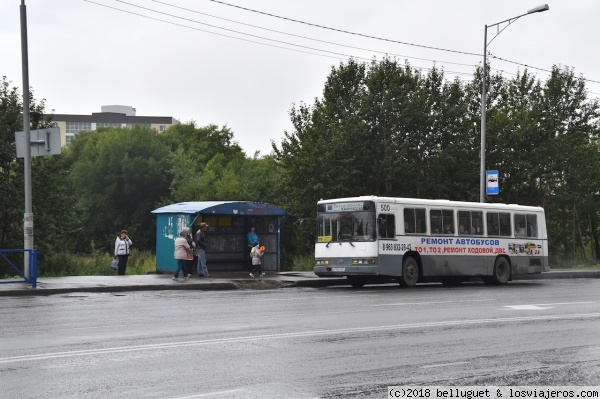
x,y
11,168
10,191
201,143
326,156
119,177
569,124
51,196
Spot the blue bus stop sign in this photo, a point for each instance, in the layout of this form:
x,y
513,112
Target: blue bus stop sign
x,y
493,185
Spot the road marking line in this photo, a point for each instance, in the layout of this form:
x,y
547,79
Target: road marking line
x,y
529,307
355,330
411,303
543,306
203,395
562,303
428,303
443,365
315,297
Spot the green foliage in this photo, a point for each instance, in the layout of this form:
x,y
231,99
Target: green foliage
x,y
50,207
298,263
185,185
304,263
11,168
119,176
55,218
60,264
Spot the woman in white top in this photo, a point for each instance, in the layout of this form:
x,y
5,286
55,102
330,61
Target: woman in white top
x,y
122,250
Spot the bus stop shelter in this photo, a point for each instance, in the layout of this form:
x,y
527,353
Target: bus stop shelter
x,y
229,222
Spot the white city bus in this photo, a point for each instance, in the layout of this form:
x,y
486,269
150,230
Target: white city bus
x,y
417,240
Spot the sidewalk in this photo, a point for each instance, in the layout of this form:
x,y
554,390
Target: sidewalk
x,y
218,281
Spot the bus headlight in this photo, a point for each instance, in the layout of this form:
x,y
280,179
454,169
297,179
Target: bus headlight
x,y
363,261
321,262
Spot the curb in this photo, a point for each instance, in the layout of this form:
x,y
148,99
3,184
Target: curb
x,y
216,286
287,280
560,274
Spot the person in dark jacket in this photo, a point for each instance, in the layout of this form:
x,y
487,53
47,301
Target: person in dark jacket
x,y
201,247
189,263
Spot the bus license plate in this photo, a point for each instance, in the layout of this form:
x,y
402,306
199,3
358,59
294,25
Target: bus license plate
x,y
338,269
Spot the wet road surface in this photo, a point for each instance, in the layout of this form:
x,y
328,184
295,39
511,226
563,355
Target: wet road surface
x,y
334,342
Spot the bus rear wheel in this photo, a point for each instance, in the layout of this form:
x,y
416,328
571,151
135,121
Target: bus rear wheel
x,y
410,272
501,273
356,281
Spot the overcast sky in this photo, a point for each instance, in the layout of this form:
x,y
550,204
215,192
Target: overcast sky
x,y
83,54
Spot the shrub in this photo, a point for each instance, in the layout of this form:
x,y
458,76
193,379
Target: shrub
x,y
96,264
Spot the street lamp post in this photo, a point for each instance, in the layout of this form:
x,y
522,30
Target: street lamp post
x,y
509,21
28,215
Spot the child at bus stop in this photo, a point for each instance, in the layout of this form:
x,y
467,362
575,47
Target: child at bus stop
x,y
255,254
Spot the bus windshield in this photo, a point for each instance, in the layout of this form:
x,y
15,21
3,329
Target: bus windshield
x,y
346,222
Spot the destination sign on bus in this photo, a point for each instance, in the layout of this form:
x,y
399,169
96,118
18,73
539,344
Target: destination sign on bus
x,y
344,207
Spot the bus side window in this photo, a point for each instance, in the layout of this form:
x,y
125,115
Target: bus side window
x,y
421,224
477,223
493,226
409,220
387,226
532,226
520,225
504,219
414,221
470,222
436,225
441,221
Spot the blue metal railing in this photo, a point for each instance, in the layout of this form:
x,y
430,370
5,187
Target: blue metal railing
x,y
32,254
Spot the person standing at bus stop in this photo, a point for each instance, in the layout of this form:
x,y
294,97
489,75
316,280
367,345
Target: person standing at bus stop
x,y
181,251
189,264
255,254
252,239
122,250
201,247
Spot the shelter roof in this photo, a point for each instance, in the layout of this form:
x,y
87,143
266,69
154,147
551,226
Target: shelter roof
x,y
224,208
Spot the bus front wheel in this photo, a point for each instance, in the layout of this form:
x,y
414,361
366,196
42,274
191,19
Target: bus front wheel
x,y
410,272
501,272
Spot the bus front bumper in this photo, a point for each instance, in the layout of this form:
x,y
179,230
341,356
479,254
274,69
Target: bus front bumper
x,y
354,270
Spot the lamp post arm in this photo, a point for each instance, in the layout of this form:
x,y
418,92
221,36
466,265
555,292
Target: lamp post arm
x,y
541,8
510,21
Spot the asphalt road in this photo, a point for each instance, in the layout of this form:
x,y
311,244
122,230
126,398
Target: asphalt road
x,y
333,342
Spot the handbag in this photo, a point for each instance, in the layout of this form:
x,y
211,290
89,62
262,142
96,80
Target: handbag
x,y
114,264
190,254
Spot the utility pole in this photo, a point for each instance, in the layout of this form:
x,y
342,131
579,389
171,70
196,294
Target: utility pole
x,y
28,216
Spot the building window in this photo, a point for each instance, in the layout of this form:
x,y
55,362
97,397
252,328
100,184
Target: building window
x,y
108,124
75,127
131,125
